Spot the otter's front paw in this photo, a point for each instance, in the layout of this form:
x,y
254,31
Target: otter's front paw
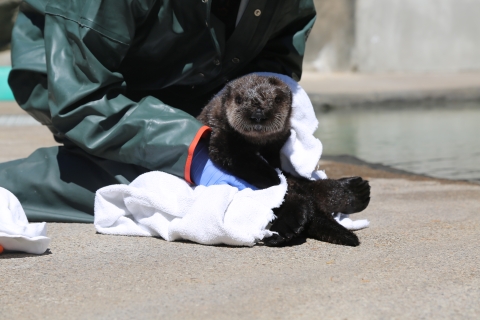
x,y
265,178
292,219
357,195
269,178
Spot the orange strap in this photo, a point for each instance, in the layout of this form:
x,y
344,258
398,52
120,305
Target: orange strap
x,y
188,165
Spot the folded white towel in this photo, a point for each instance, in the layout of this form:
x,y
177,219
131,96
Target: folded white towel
x,y
16,234
160,204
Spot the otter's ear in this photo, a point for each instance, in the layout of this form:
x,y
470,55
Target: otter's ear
x,y
227,92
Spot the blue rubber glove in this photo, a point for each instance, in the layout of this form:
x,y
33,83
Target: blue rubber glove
x,y
204,172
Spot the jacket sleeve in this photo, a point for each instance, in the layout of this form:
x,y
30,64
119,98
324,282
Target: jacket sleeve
x,y
284,51
86,99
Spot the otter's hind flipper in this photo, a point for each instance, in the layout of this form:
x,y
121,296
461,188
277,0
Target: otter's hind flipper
x,y
292,219
359,194
346,195
324,228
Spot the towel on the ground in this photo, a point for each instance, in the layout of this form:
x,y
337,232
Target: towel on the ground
x,y
16,234
158,204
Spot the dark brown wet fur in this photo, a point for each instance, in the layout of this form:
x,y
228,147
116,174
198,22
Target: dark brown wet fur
x,y
250,121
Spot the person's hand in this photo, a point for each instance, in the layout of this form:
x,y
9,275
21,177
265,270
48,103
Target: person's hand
x,y
204,172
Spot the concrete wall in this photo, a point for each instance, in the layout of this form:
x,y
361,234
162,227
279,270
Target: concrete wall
x,y
401,36
331,42
417,35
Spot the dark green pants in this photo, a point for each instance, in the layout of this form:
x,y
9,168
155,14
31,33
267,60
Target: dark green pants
x,y
58,184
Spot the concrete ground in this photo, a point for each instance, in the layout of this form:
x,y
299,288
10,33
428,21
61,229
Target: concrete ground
x,y
418,259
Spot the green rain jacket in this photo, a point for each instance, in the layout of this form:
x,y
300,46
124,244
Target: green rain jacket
x,y
124,79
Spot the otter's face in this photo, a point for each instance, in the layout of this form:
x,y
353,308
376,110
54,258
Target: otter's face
x,y
258,107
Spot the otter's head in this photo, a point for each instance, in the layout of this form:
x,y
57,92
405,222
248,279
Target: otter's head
x,y
258,107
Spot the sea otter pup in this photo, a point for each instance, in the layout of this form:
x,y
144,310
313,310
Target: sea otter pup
x,y
250,121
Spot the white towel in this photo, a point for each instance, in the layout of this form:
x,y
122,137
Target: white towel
x,y
16,234
160,204
302,151
344,220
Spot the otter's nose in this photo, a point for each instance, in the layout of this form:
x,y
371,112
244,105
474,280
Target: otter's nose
x,y
258,115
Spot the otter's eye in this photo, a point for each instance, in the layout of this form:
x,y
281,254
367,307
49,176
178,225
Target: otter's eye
x,y
278,99
238,100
